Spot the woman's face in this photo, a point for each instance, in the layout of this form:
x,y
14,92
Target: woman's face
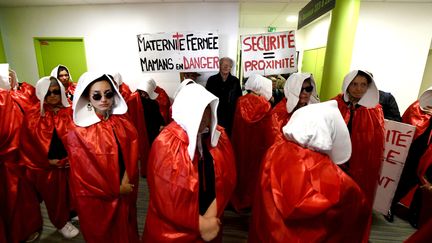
x,y
101,96
53,96
305,93
63,77
206,119
358,87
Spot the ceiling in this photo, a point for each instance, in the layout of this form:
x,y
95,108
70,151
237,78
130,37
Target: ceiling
x,y
253,13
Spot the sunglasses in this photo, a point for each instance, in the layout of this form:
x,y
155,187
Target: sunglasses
x,y
54,92
98,96
308,89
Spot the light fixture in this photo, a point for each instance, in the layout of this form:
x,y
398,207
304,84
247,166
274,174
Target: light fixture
x,y
291,18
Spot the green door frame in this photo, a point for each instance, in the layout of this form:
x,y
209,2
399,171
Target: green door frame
x,y
39,59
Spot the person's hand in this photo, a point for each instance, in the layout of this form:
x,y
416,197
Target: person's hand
x,y
126,188
54,162
209,227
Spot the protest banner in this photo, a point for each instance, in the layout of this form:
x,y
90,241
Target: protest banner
x,y
179,51
268,54
398,138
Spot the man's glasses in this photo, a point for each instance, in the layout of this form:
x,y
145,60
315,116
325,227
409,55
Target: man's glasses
x,y
98,96
54,92
308,89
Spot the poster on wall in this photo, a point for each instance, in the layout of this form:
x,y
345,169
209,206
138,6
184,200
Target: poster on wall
x,y
269,54
398,138
178,52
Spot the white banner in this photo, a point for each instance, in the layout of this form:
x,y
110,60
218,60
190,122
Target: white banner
x,y
398,138
268,54
178,51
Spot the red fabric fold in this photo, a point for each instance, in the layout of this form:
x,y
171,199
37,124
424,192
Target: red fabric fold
x,y
51,182
304,197
172,178
136,115
251,137
105,215
280,118
22,216
367,139
164,104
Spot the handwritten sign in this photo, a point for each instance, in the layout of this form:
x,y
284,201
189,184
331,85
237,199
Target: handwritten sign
x,y
268,54
398,138
179,51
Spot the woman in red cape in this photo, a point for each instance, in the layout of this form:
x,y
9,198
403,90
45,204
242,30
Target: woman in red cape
x,y
21,211
251,137
364,117
303,196
191,172
136,115
164,104
299,90
419,156
44,154
61,72
103,157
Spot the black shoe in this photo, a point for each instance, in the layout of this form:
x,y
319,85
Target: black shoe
x,y
389,217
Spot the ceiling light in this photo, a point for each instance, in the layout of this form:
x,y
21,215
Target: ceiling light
x,y
292,18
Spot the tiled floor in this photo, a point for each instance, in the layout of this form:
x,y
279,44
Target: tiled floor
x,y
236,226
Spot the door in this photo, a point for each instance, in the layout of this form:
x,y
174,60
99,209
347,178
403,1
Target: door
x,y
51,52
313,62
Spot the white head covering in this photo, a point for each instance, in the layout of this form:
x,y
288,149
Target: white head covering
x,y
259,85
371,98
292,89
117,79
182,84
54,72
81,115
149,86
320,127
42,87
426,99
188,109
4,76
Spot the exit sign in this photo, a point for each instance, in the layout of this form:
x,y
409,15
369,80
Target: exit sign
x,y
271,29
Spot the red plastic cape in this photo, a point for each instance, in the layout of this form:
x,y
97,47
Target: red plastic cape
x,y
164,104
304,197
172,178
251,137
136,115
367,139
71,89
105,215
25,97
416,117
50,181
422,235
125,91
22,207
280,118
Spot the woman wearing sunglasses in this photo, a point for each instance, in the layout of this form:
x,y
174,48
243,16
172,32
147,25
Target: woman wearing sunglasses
x,y
299,90
43,151
103,149
364,117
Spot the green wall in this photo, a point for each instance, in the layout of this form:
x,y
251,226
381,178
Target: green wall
x,y
2,51
313,62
